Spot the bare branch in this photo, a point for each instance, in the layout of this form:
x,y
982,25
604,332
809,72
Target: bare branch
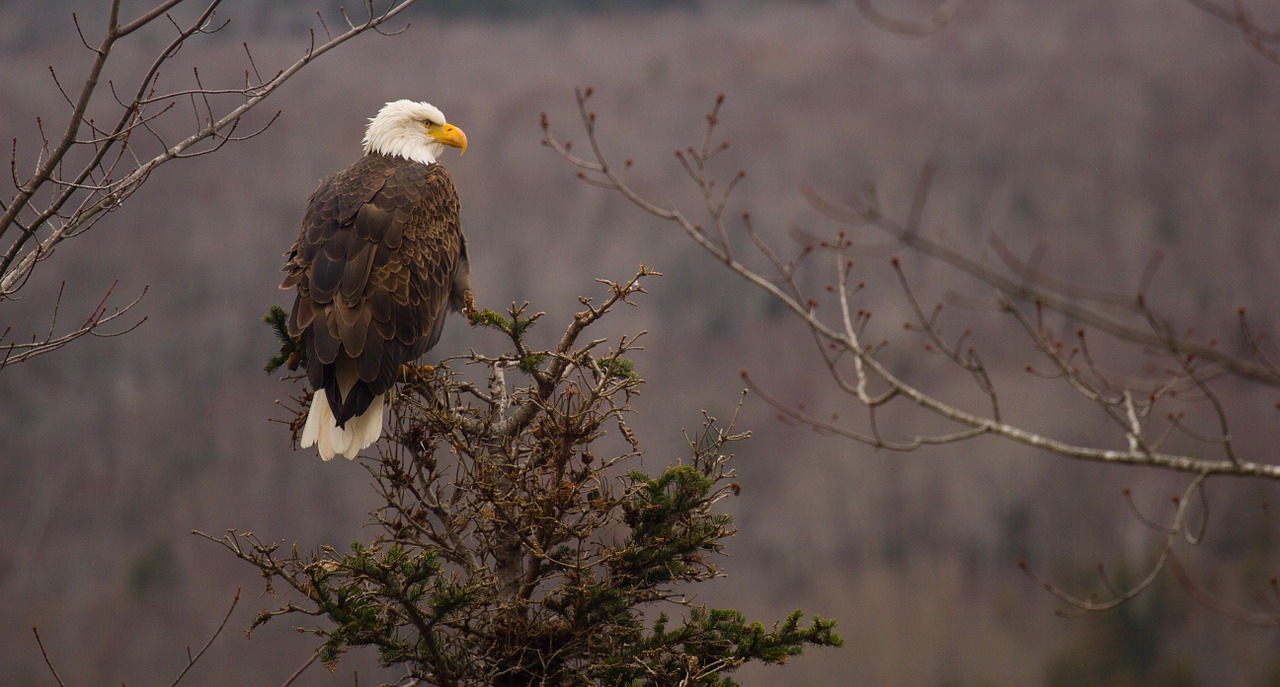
x,y
191,660
866,366
301,669
20,352
45,655
76,179
1177,526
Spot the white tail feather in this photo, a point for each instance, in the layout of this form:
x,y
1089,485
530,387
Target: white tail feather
x,y
322,431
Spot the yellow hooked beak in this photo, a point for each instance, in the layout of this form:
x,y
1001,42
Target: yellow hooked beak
x,y
449,135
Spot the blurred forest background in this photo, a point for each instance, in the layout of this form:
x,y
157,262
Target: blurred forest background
x,y
1108,130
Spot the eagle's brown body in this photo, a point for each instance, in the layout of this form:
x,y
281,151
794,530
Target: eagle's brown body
x,y
378,262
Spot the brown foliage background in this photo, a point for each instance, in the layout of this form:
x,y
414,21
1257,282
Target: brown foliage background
x,y
1108,130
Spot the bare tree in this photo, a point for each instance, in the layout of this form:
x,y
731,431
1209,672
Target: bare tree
x,y
1170,415
115,135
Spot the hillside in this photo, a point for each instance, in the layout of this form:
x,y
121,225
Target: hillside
x,y
1109,131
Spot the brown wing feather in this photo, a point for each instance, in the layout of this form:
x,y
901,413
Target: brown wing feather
x,y
378,262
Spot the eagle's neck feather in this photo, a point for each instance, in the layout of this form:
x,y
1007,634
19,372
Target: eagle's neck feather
x,y
391,138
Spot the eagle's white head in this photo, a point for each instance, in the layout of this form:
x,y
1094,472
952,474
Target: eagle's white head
x,y
412,130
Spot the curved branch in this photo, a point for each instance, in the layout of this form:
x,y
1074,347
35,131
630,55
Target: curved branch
x,y
865,362
15,352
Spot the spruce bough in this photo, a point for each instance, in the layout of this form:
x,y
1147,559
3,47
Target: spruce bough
x,y
514,547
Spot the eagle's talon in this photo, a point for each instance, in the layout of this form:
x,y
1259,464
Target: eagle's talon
x,y
415,373
469,305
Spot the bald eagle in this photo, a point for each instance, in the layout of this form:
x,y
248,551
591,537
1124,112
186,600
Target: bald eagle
x,y
379,261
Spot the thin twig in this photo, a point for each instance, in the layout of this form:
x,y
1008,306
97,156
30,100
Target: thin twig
x,y
45,654
191,660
